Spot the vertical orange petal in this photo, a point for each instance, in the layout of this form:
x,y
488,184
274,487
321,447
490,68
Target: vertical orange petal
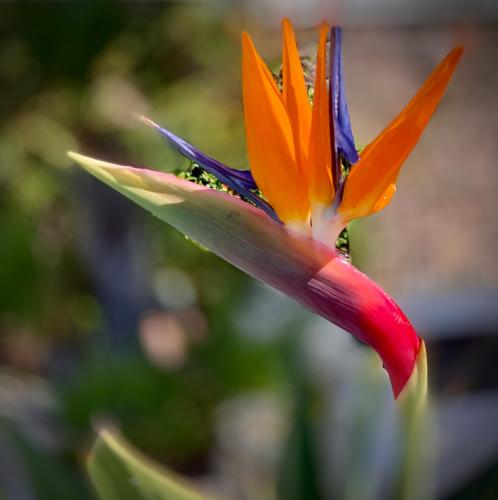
x,y
295,95
371,183
269,137
320,185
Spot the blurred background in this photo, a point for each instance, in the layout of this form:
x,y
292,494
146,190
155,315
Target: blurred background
x,y
110,318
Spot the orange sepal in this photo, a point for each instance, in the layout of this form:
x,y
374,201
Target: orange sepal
x,y
269,137
295,95
371,183
320,185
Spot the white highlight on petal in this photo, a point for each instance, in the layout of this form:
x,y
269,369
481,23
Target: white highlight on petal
x,y
327,224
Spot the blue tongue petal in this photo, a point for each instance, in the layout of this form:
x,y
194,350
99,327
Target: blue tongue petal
x,y
344,140
240,181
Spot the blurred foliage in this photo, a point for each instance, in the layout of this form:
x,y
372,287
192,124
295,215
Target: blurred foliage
x,y
170,414
72,77
118,472
50,476
75,76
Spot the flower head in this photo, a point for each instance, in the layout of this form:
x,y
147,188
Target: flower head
x,y
300,153
313,182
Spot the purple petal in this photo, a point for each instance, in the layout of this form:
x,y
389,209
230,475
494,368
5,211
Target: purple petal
x,y
240,181
244,177
344,140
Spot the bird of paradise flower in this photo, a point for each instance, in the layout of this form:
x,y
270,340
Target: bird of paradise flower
x,y
313,182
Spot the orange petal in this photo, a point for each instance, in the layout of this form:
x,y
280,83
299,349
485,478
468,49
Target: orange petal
x,y
320,185
270,143
371,183
295,95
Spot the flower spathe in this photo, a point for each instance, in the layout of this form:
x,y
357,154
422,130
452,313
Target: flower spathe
x,y
306,270
304,161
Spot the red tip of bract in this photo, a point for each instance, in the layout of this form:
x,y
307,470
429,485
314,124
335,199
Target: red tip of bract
x,y
366,311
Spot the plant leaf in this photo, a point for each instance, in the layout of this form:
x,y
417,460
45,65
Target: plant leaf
x,y
118,472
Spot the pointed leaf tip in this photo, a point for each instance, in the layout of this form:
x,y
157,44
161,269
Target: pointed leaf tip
x,y
119,472
413,396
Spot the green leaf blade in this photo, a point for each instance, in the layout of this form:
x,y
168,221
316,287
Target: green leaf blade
x,y
118,472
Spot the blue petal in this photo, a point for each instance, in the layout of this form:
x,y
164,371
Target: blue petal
x,y
344,140
240,181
